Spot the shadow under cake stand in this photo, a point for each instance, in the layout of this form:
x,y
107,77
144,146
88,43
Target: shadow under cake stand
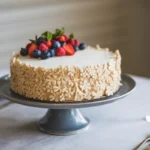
x,y
64,118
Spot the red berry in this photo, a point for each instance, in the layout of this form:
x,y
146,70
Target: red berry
x,y
28,45
43,47
66,37
48,44
60,51
52,41
69,49
32,47
62,39
76,42
71,41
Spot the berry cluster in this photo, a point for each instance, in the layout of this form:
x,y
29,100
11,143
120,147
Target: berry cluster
x,y
50,45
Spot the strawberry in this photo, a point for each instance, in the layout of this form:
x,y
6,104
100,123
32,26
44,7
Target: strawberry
x,y
71,41
28,45
66,37
62,39
43,47
32,47
76,43
48,44
60,51
69,49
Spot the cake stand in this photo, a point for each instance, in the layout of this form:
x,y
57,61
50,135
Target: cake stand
x,y
64,118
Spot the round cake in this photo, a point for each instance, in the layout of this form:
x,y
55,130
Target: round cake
x,y
73,73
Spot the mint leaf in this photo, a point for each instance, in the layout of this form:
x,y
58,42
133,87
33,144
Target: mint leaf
x,y
43,36
44,33
49,36
57,32
72,36
62,31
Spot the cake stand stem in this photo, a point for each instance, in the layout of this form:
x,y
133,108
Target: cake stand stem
x,y
63,122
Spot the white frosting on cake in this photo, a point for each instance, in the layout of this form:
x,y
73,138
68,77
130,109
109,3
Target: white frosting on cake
x,y
81,59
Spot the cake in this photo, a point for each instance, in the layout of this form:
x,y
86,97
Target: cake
x,y
55,67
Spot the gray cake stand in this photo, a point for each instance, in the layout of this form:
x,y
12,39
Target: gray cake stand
x,y
64,118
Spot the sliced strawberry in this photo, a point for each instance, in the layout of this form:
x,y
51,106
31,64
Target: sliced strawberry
x,y
69,49
32,47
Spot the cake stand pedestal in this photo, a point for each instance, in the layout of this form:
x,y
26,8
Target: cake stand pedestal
x,y
64,118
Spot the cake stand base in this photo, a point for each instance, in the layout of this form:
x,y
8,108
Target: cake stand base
x,y
63,122
64,118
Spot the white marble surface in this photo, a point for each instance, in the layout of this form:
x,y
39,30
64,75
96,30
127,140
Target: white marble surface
x,y
116,126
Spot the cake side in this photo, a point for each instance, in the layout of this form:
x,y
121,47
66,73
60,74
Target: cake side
x,y
66,83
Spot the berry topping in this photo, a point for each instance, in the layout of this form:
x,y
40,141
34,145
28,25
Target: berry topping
x,y
48,44
82,46
56,44
60,51
69,49
28,45
40,40
24,52
53,52
32,47
36,54
76,48
43,47
45,55
76,43
62,39
62,43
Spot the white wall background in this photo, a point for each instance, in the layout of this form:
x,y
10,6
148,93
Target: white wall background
x,y
116,24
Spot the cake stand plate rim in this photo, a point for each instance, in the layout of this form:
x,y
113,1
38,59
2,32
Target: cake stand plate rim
x,y
128,85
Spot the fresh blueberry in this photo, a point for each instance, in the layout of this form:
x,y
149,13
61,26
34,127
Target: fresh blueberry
x,y
36,54
82,46
40,40
76,48
45,55
56,44
62,43
53,52
24,52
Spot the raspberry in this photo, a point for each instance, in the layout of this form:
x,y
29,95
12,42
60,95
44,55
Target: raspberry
x,y
60,51
66,37
52,41
71,41
43,47
76,42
